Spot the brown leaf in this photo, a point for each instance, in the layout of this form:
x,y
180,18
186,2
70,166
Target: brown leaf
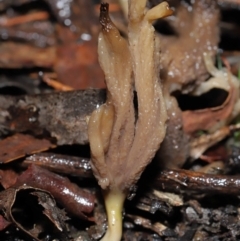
x,y
205,119
8,177
19,145
182,54
77,66
18,203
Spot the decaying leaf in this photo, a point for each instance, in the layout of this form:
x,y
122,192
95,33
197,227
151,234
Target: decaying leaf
x,y
211,119
8,177
20,145
50,210
18,203
64,40
200,144
196,31
72,52
76,65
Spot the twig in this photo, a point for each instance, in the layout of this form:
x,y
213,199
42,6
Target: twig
x,y
185,180
37,16
56,84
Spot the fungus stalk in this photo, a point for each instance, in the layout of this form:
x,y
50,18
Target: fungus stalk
x,y
123,143
114,200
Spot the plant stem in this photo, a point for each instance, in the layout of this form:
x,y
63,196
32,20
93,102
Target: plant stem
x,y
114,200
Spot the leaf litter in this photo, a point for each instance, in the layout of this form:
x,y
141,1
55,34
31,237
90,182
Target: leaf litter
x,y
185,171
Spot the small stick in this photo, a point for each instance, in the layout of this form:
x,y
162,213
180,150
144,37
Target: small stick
x,y
185,180
171,180
74,199
55,84
71,165
37,16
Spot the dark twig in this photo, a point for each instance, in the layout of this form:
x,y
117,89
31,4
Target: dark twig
x,y
184,181
75,166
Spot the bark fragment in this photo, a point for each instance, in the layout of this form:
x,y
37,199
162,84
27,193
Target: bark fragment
x,y
61,116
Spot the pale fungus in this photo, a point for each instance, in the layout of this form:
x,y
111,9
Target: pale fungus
x,y
123,140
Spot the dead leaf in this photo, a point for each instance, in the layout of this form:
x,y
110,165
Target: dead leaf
x,y
182,53
8,177
77,66
200,144
205,119
50,209
20,145
18,204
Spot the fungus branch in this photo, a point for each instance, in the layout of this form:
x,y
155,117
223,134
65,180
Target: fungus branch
x,y
121,144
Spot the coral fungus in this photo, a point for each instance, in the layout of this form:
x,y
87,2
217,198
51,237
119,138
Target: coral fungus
x,y
124,140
